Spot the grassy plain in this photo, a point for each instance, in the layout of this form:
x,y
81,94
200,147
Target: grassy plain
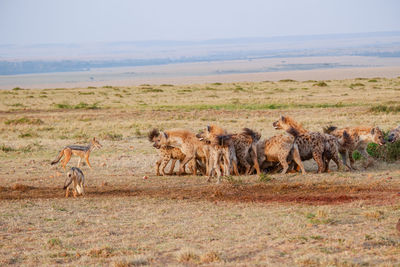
x,y
339,218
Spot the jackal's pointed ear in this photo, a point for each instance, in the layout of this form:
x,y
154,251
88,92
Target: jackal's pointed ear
x,y
208,128
283,118
164,134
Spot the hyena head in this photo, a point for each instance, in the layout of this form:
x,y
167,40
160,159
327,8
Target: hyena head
x,y
96,143
205,134
378,136
394,135
158,138
280,124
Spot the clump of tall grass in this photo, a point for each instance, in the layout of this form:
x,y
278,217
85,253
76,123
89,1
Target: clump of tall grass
x,y
24,120
81,105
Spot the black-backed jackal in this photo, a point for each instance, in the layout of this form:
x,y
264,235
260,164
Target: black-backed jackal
x,y
76,181
81,151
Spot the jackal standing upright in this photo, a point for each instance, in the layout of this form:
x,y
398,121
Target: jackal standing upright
x,y
81,151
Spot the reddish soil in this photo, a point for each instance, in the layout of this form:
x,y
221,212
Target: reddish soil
x,y
262,193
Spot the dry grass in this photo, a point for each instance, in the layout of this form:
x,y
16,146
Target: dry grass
x,y
340,218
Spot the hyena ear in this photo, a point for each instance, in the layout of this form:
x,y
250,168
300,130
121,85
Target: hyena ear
x,y
373,131
165,135
208,128
283,118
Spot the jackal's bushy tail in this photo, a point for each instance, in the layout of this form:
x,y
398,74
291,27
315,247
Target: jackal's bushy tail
x,y
58,157
67,182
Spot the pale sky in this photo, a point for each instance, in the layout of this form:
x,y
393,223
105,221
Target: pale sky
x,y
83,21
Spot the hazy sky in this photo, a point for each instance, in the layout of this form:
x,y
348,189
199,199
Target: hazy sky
x,y
77,21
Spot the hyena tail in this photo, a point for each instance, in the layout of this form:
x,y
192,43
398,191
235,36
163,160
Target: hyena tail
x,y
292,131
345,140
224,140
329,129
58,157
253,134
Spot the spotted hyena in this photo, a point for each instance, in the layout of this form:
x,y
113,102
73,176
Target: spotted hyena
x,y
245,144
394,135
167,153
279,149
221,151
360,137
310,144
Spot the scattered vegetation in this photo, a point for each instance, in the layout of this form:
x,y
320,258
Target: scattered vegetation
x,y
320,84
112,136
385,108
24,120
287,81
353,85
81,105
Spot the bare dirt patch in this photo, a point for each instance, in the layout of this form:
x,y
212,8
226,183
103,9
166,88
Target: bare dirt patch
x,y
261,193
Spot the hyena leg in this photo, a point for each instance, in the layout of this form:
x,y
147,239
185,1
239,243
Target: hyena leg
x,y
335,158
158,163
283,162
343,155
365,154
67,192
297,159
317,156
243,161
227,162
164,163
183,164
351,159
253,154
171,170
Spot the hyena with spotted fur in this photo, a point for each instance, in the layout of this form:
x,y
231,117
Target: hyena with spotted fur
x,y
394,135
310,144
186,141
167,153
221,151
245,144
279,150
360,137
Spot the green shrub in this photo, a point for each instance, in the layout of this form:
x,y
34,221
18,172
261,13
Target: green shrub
x,y
320,84
6,148
389,152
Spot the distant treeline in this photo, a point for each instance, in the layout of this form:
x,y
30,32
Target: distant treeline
x,y
38,66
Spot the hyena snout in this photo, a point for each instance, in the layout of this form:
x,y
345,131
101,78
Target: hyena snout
x,y
276,125
156,145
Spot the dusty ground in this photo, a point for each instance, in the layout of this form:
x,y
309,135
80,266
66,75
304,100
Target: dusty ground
x,y
339,218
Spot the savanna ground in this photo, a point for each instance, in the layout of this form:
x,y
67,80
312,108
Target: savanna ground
x,y
340,218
